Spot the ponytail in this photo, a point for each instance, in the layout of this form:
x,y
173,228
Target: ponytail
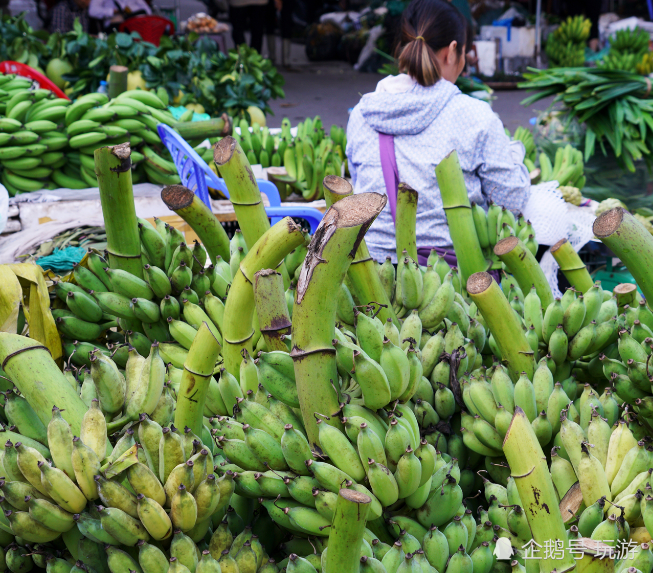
x,y
427,26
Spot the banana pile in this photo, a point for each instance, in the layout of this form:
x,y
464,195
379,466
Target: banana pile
x,y
629,51
495,224
634,41
565,48
48,142
645,64
308,157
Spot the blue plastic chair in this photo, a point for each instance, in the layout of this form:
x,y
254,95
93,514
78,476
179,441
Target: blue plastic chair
x,y
198,177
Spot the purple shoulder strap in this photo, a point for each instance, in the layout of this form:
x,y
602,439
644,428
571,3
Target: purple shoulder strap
x,y
390,171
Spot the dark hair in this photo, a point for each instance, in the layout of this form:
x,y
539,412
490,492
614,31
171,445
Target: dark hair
x,y
427,26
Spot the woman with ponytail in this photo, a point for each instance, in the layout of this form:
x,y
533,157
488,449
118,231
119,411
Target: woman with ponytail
x,y
400,132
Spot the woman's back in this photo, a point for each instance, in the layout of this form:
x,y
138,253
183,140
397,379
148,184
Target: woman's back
x,y
427,124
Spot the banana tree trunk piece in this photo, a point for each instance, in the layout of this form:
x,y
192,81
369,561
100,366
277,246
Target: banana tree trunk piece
x,y
529,469
117,80
330,253
31,368
364,281
214,127
503,323
458,210
244,193
524,267
192,209
271,308
347,530
570,264
267,252
198,370
114,176
631,242
406,221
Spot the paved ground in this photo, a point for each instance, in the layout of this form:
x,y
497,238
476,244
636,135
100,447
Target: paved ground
x,y
331,89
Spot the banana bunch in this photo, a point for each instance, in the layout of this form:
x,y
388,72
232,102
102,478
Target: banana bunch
x,y
48,142
31,142
495,224
308,157
152,482
567,167
575,29
564,54
526,137
626,61
645,64
131,117
630,41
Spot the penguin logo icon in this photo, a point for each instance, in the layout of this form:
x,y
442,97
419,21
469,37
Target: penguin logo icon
x,y
503,549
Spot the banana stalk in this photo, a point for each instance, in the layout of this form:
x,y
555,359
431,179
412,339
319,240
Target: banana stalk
x,y
347,530
114,176
244,193
364,279
631,242
267,252
455,203
198,369
31,368
205,224
524,267
538,496
406,222
570,264
330,253
503,324
271,308
214,127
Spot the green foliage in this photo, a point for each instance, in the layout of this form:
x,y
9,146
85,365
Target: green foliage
x,y
220,82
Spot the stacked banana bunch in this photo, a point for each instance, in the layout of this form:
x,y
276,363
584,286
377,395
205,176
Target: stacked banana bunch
x,y
48,142
308,157
31,141
629,51
565,48
93,121
498,223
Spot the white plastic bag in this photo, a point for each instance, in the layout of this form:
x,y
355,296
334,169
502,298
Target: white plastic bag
x,y
4,207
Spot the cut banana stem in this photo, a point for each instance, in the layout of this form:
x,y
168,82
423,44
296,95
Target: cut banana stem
x,y
347,531
406,221
457,208
274,320
198,370
267,252
364,280
314,312
114,176
529,469
200,218
503,324
573,268
524,267
32,369
631,242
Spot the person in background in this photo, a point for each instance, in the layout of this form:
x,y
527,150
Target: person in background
x,y
66,12
112,12
244,12
404,129
270,29
285,10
